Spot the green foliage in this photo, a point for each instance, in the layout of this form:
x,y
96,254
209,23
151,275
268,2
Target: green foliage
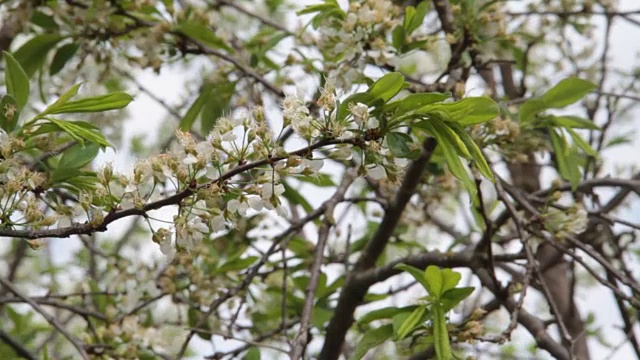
x,y
565,93
62,57
17,82
203,35
443,296
33,53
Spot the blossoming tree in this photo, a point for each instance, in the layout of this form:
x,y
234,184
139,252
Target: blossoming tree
x,y
333,171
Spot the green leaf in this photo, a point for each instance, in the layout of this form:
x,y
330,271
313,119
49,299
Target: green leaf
x,y
468,111
320,317
236,264
372,339
330,5
572,122
417,274
63,175
331,289
530,109
440,334
417,17
113,101
452,297
193,319
398,37
566,158
450,149
448,135
62,56
387,86
450,279
582,144
295,197
8,121
44,21
78,156
216,105
620,140
252,354
435,282
16,80
565,93
385,313
399,143
33,53
409,13
411,322
73,91
192,114
476,153
80,131
203,34
84,181
414,101
319,179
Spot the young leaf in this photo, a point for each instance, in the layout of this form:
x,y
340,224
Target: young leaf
x,y
73,91
34,52
417,274
236,264
252,354
399,143
78,156
450,279
398,37
192,114
409,13
572,122
203,34
476,153
62,56
451,154
295,197
216,105
384,313
417,18
81,131
372,339
434,281
452,297
16,80
387,86
410,323
113,101
414,101
582,144
468,111
448,135
318,179
567,163
440,334
46,22
565,93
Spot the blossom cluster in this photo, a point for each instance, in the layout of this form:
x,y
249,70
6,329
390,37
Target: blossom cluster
x,y
236,170
347,42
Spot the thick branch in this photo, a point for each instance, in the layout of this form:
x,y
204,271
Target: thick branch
x,y
353,292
